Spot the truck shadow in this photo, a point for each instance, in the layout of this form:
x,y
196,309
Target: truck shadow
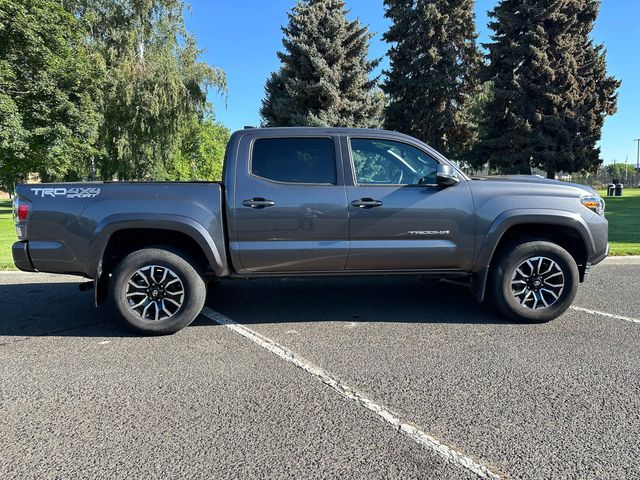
x,y
54,309
398,299
59,309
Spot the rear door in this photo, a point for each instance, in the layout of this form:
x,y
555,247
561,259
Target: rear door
x,y
399,218
289,205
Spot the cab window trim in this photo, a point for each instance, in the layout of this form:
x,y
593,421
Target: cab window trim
x,y
303,137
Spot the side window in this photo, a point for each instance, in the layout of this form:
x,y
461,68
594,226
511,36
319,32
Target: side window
x,y
295,160
385,162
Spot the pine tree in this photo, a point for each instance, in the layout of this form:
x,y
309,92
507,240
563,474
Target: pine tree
x,y
598,96
551,92
324,78
433,76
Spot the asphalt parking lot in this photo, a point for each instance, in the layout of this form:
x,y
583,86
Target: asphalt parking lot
x,y
81,397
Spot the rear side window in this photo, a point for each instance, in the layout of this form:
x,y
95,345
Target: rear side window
x,y
295,160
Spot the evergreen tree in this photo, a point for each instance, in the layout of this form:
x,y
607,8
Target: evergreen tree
x,y
551,91
597,93
324,79
433,76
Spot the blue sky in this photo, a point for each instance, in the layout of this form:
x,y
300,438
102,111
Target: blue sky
x,y
242,38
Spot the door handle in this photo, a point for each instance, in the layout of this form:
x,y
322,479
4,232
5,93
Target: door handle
x,y
258,202
366,203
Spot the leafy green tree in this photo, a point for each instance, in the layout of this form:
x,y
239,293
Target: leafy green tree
x,y
154,82
49,93
619,171
200,153
433,76
551,92
324,79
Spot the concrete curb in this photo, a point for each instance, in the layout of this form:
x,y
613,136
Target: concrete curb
x,y
622,260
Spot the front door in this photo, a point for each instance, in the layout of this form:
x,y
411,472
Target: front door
x,y
289,206
399,217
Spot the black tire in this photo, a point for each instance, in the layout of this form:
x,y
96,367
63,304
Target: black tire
x,y
534,311
157,261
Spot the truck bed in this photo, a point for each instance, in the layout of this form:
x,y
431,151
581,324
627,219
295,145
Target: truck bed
x,y
69,224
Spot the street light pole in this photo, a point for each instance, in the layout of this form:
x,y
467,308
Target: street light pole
x,y
626,170
637,140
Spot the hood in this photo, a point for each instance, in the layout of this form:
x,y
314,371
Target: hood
x,y
533,180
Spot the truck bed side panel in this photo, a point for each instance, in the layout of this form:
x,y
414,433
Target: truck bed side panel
x,y
68,233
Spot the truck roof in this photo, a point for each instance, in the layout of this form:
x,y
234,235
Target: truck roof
x,y
283,131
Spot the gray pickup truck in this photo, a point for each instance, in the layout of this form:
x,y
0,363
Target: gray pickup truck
x,y
315,201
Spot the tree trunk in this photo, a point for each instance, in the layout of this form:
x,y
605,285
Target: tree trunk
x,y
551,174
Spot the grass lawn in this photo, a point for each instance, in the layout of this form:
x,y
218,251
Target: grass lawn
x,y
623,214
7,235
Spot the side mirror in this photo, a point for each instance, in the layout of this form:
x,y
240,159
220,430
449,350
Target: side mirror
x,y
446,176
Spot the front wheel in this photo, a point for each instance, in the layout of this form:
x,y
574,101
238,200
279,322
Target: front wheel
x,y
534,282
157,291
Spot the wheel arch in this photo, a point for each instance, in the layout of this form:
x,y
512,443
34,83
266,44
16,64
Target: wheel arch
x,y
564,228
120,235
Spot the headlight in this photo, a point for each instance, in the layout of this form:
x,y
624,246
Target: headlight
x,y
594,203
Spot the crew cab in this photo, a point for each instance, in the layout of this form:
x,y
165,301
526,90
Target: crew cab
x,y
315,201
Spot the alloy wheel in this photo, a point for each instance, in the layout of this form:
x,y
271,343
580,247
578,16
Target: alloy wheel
x,y
537,283
155,293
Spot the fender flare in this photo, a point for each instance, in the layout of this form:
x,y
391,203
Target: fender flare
x,y
175,223
521,216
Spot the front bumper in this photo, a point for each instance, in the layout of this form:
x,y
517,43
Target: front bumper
x,y
20,253
599,233
597,259
600,256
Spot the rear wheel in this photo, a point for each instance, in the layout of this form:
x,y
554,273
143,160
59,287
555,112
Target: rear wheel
x,y
534,282
157,291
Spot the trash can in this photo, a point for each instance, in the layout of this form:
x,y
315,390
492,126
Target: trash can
x,y
619,188
611,190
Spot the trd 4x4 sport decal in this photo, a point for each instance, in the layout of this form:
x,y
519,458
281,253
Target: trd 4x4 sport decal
x,y
75,192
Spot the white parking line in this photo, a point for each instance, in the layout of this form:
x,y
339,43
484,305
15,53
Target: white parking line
x,y
605,314
419,436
